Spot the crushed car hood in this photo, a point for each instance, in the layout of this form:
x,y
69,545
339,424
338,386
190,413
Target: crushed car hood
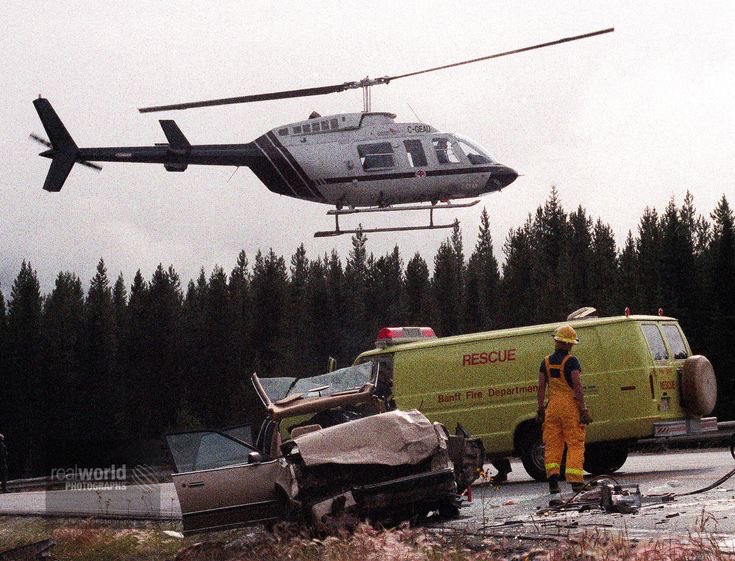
x,y
413,438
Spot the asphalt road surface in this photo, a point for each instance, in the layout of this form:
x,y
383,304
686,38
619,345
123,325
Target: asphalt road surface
x,y
508,509
513,507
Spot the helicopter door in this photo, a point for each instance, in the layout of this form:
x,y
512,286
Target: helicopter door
x,y
415,153
444,151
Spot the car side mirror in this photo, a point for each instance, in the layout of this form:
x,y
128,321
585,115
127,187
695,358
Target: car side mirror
x,y
255,458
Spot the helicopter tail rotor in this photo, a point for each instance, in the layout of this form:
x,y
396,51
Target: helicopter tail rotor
x,y
62,149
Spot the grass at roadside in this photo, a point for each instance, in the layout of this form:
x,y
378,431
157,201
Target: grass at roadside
x,y
96,541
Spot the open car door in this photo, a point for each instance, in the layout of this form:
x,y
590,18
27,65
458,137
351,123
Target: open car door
x,y
222,482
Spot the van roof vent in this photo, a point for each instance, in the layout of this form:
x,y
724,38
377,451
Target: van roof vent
x,y
583,313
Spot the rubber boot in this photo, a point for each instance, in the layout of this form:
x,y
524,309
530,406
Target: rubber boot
x,y
578,486
554,485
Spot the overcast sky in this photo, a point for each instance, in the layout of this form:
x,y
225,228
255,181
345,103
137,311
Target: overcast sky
x,y
617,122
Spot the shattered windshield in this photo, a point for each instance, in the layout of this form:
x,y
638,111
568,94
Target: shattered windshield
x,y
342,380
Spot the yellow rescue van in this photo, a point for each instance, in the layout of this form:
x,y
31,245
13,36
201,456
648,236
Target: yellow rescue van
x,y
639,376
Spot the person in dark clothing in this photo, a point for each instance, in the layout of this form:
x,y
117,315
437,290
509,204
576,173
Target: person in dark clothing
x,y
503,467
3,464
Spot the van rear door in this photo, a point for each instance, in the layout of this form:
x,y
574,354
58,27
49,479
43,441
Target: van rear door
x,y
663,377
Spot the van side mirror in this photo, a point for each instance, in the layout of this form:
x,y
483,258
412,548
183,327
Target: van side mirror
x,y
331,364
255,458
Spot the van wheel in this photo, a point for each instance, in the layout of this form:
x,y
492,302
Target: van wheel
x,y
531,451
604,457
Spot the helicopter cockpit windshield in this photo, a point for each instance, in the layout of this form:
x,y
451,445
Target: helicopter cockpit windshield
x,y
474,152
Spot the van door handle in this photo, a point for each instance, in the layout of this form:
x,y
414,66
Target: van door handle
x,y
194,484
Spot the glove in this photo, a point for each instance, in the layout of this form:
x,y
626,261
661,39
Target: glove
x,y
584,417
540,415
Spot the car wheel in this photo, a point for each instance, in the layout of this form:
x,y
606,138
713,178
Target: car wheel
x,y
531,451
604,457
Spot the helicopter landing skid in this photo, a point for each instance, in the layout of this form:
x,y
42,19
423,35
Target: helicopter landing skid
x,y
431,226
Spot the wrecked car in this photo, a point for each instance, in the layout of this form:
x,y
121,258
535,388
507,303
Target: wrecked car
x,y
330,452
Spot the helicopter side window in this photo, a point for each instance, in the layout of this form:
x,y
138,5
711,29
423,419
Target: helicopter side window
x,y
415,153
376,156
444,152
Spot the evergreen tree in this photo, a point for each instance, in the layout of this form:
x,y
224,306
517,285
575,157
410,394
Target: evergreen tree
x,y
195,371
133,340
677,263
23,380
320,317
447,284
68,395
418,303
244,402
482,282
299,334
603,271
162,353
343,347
270,313
723,297
3,350
518,303
551,277
3,321
357,320
578,261
221,377
648,250
120,308
629,295
101,386
384,294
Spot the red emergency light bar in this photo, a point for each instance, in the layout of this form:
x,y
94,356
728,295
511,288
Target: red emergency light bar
x,y
395,335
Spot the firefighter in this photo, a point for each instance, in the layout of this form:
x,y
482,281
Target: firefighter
x,y
565,416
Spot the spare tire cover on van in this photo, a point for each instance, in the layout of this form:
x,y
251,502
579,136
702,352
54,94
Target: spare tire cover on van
x,y
699,385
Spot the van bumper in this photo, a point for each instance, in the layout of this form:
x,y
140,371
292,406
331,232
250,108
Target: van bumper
x,y
691,431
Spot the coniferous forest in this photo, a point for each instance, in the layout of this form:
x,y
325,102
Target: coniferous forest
x,y
93,375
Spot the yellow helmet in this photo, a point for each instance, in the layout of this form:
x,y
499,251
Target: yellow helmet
x,y
566,334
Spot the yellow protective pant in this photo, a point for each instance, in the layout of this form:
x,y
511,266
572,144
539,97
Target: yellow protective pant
x,y
562,426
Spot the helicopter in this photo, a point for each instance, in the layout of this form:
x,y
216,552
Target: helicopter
x,y
357,162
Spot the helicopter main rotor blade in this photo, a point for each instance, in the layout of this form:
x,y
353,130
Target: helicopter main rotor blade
x,y
304,92
498,55
364,83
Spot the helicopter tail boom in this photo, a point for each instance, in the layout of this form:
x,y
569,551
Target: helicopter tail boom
x,y
64,151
